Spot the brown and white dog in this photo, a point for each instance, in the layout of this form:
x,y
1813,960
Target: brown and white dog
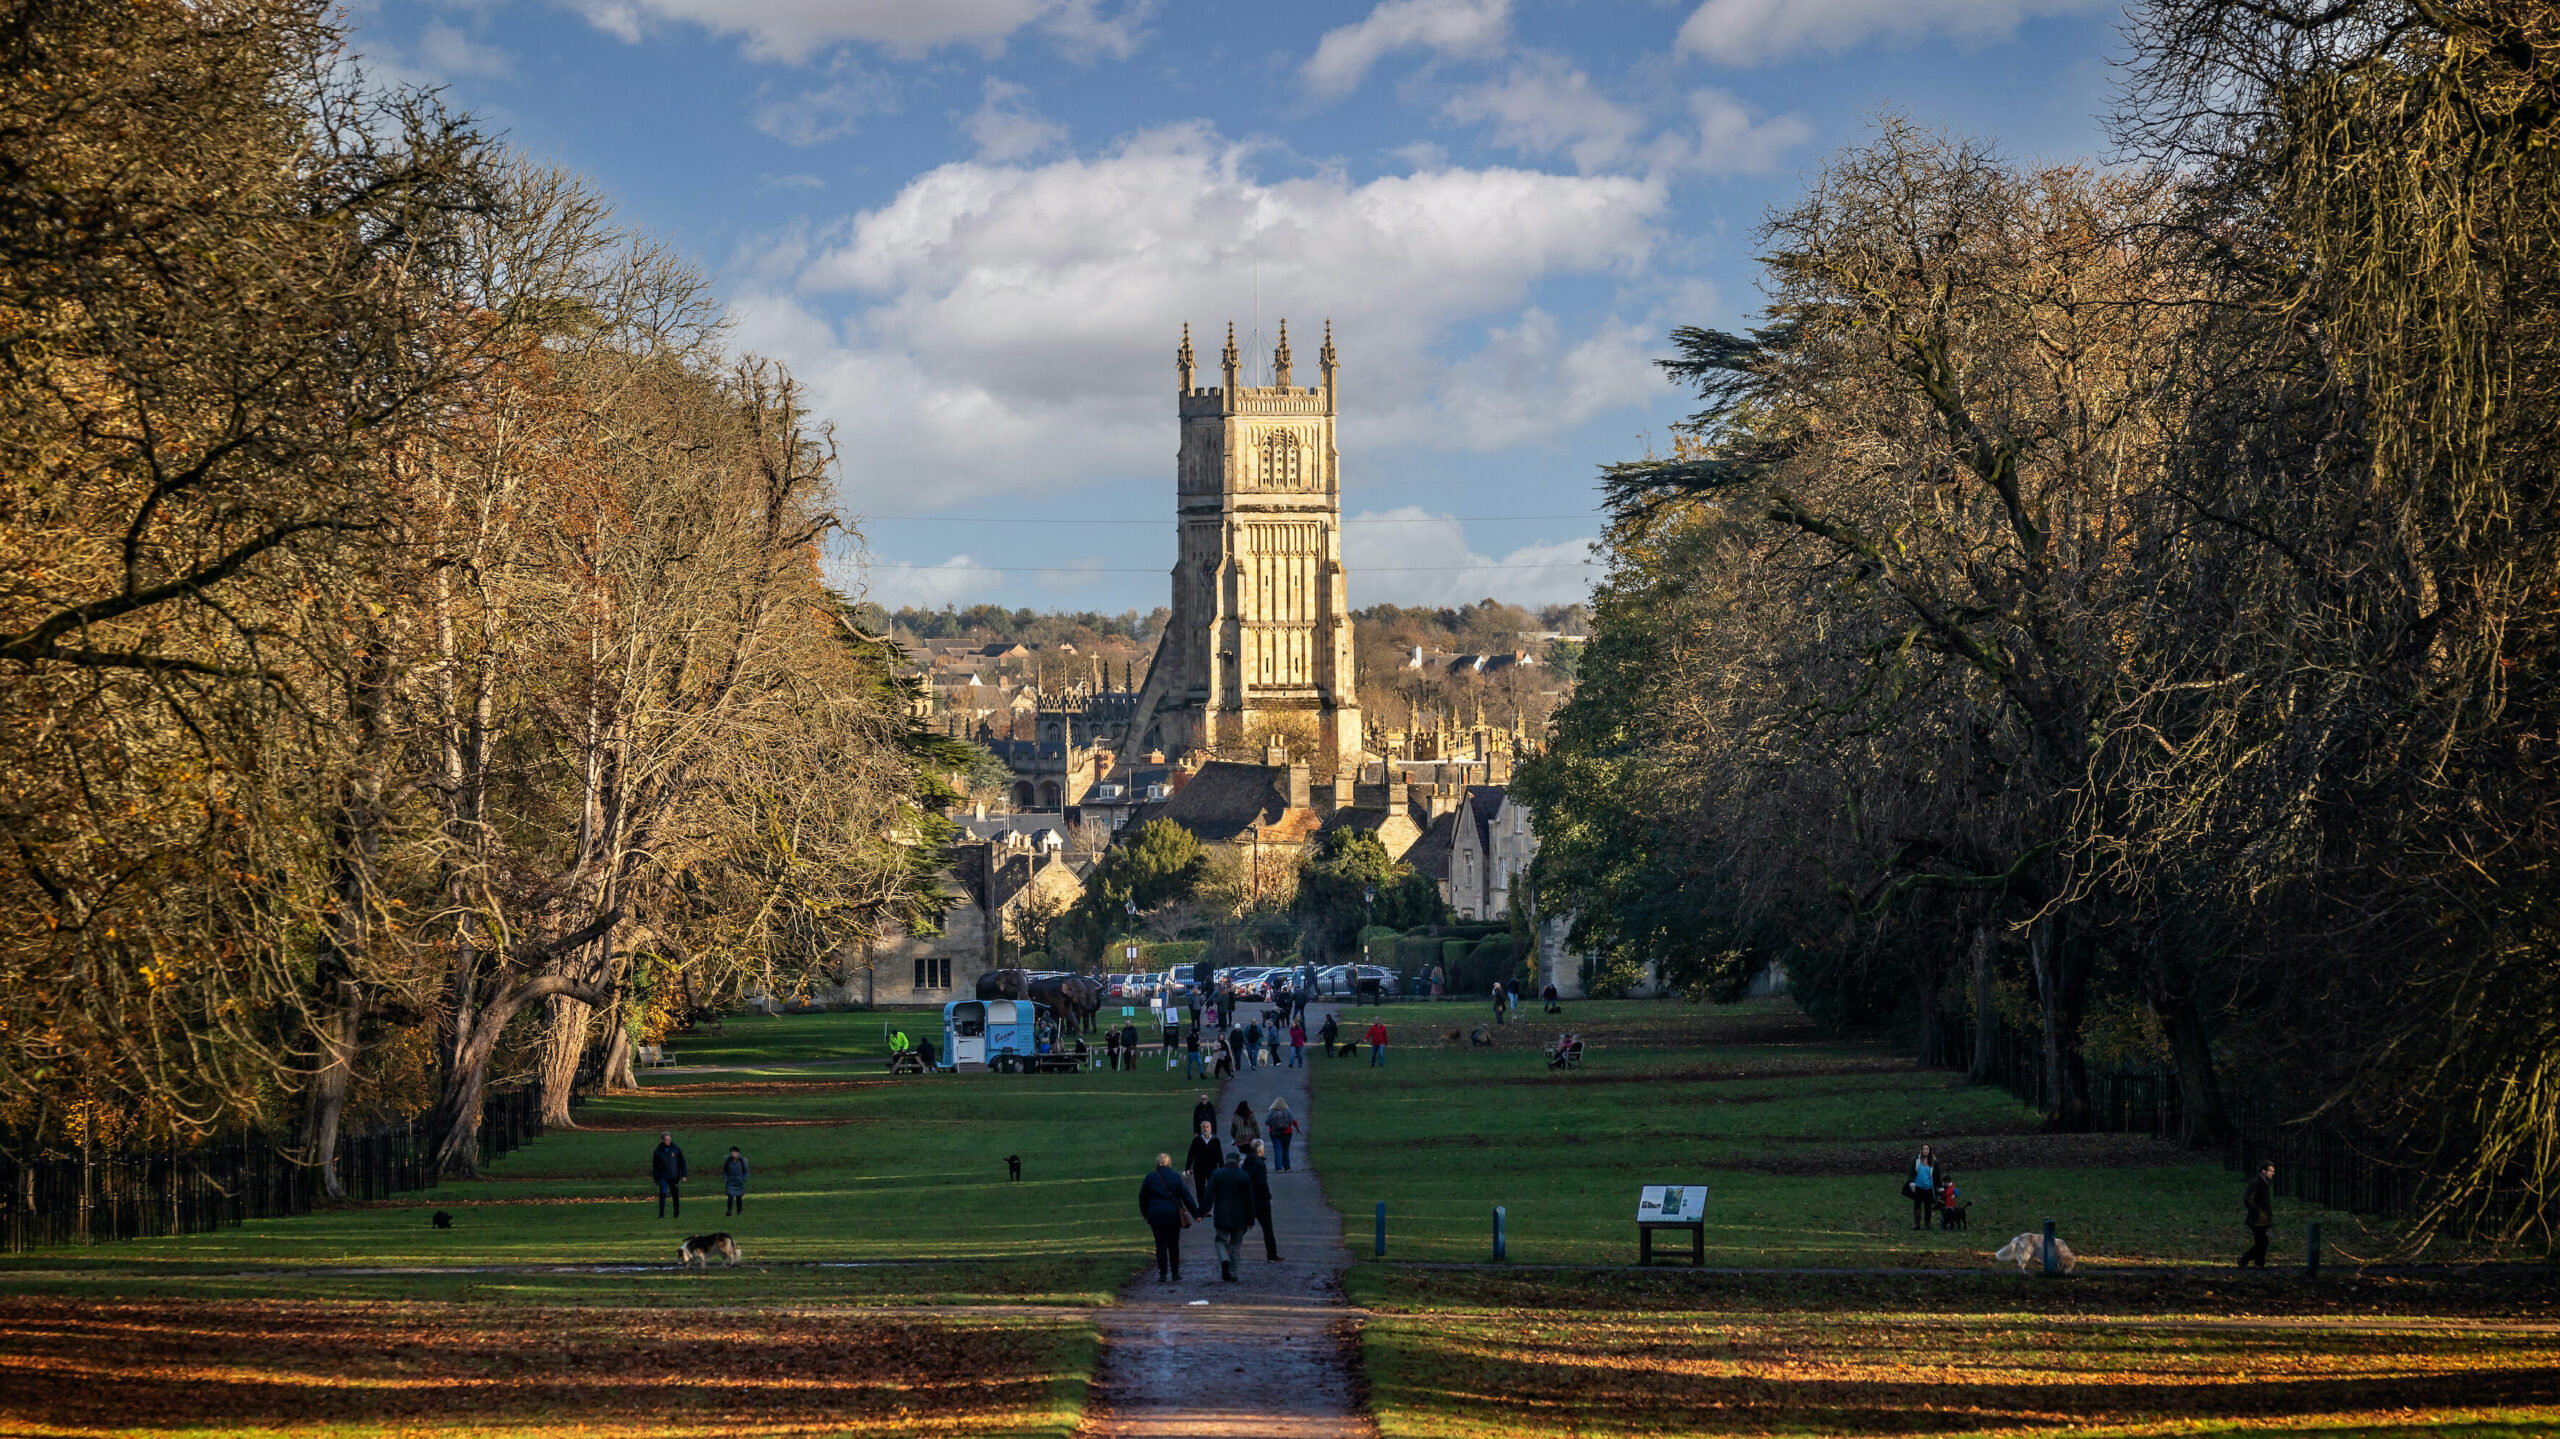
x,y
702,1248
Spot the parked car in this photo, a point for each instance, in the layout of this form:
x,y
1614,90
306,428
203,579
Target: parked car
x,y
1175,985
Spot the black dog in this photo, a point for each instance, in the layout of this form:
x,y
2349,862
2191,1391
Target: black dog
x,y
1013,1166
441,1220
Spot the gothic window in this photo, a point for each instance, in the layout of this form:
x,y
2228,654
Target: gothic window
x,y
1283,461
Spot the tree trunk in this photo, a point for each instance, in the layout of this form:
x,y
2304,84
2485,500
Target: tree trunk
x,y
618,1075
336,1031
2061,985
1985,1018
2170,990
564,1046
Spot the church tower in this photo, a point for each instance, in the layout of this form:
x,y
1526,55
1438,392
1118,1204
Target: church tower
x,y
1258,651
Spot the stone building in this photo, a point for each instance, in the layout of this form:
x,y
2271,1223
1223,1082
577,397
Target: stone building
x,y
990,882
1258,650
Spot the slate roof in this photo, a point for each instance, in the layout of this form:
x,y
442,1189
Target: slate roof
x,y
1430,854
1223,801
1484,801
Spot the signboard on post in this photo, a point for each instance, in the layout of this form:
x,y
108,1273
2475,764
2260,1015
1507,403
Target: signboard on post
x,y
1672,1204
1128,1012
1675,1207
1132,952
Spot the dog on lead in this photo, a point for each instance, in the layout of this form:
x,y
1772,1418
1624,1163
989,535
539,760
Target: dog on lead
x,y
701,1249
1013,1167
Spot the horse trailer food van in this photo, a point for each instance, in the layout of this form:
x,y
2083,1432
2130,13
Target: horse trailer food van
x,y
982,1034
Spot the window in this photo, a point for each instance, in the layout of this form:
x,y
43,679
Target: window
x,y
933,972
1283,461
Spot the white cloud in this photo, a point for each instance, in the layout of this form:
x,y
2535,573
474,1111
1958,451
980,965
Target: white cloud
x,y
894,583
1729,140
792,30
1004,128
814,117
1749,32
1409,556
791,182
448,51
1451,29
1547,106
1013,326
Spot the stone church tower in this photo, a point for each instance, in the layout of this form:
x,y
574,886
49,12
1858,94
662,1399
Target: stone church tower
x,y
1258,651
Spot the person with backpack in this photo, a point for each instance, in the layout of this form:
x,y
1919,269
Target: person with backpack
x,y
1281,1124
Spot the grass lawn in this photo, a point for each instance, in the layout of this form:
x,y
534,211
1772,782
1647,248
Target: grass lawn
x,y
1804,1143
553,1276
1462,1353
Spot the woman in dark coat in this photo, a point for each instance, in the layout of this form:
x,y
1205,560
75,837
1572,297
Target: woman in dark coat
x,y
1202,1161
1163,1201
1244,1130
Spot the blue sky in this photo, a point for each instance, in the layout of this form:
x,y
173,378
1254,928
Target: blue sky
x,y
975,228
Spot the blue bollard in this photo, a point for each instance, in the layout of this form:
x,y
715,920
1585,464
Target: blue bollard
x,y
1381,1251
1498,1248
2052,1259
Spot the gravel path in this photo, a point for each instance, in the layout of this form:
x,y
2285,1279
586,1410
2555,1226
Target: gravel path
x,y
1267,1356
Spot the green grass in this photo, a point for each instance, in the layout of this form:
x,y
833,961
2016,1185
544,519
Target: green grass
x,y
848,1167
1464,1352
1803,1142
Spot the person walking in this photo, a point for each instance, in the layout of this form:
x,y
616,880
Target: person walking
x,y
1271,1041
1259,1173
1297,1046
1204,1112
1331,1033
1282,1125
1191,1067
1111,1049
2258,1208
1922,1186
1244,1131
666,1166
1230,1211
1202,1161
733,1182
1168,1209
1551,996
1129,1044
1252,1044
1497,1001
1377,1044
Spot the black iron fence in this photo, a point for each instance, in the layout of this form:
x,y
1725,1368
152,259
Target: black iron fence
x,y
61,1199
2313,1161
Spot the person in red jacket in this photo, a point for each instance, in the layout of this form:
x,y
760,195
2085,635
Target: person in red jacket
x,y
1377,1045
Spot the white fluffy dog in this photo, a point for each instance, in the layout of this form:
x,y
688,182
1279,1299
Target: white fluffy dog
x,y
2028,1251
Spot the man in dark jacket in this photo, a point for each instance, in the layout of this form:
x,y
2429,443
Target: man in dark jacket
x,y
666,1166
1163,1201
1205,1112
1260,1173
1202,1161
1230,1212
2259,1204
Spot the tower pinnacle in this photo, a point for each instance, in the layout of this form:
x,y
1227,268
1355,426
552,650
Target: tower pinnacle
x,y
1230,357
1324,357
1182,362
1280,358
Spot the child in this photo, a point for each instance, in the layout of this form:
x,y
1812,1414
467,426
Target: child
x,y
733,1178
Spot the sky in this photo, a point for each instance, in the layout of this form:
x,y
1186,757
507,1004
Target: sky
x,y
975,229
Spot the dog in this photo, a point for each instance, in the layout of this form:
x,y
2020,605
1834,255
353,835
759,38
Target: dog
x,y
440,1220
2027,1252
700,1249
1951,1216
1013,1167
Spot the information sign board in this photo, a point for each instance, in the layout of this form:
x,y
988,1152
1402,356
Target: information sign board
x,y
1128,1011
1672,1204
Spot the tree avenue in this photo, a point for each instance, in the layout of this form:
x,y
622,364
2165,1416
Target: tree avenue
x,y
2119,604
417,662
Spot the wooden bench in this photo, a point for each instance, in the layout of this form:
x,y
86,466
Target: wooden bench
x,y
1565,1057
906,1062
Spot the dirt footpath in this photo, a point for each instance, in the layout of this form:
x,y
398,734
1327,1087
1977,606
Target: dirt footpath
x,y
1266,1357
